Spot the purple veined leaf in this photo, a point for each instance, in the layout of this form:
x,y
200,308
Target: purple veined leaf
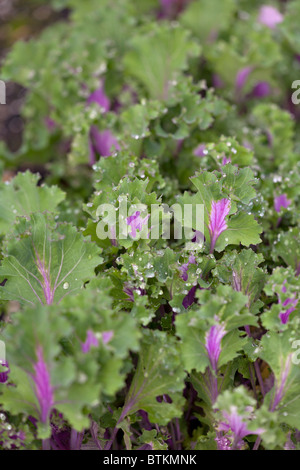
x,y
217,223
107,336
102,143
91,340
289,302
280,385
281,201
237,281
136,222
184,267
183,271
128,290
241,77
284,289
289,445
46,261
213,340
223,443
46,284
200,151
226,160
43,389
189,299
154,377
98,96
261,89
46,381
212,345
192,259
198,237
284,316
235,423
269,16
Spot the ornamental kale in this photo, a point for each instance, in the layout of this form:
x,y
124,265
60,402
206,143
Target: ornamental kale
x,y
150,226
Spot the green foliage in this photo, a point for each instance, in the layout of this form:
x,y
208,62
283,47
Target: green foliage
x,y
235,185
242,272
150,342
43,262
156,57
226,307
159,373
22,196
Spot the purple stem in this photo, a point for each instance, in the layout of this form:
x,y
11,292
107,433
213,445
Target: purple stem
x,y
46,444
257,443
259,377
76,439
256,367
173,436
252,379
177,427
116,429
212,244
247,329
93,429
48,293
213,386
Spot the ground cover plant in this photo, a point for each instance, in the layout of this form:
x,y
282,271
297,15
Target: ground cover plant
x,y
131,341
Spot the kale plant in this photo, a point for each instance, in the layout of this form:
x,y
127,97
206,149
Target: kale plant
x,y
149,227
